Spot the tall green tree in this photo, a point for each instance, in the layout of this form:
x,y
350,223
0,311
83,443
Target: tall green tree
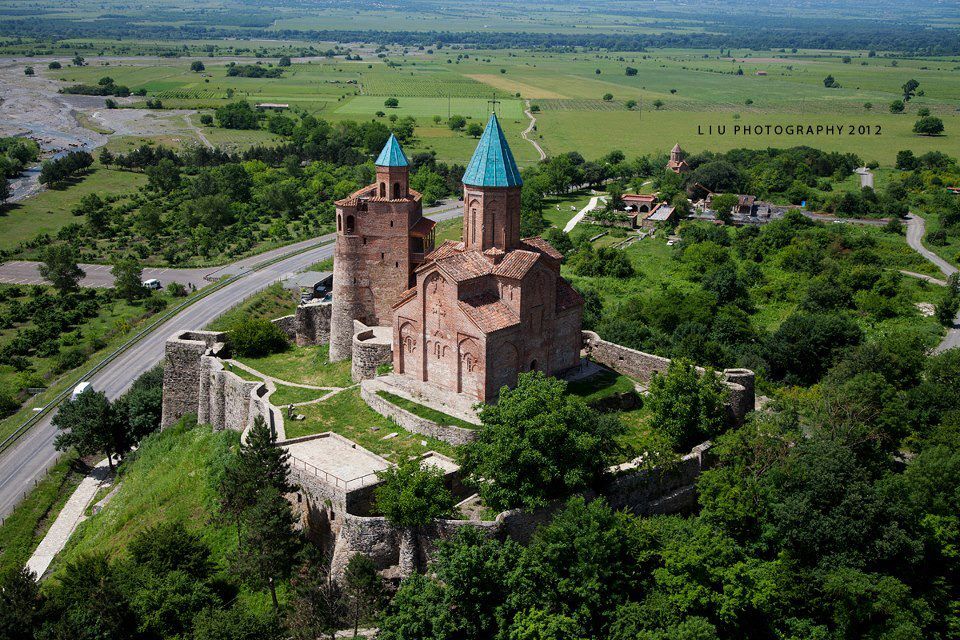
x,y
89,424
21,604
318,606
363,589
128,279
539,443
59,266
686,405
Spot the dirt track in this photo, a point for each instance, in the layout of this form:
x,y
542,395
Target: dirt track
x,y
30,106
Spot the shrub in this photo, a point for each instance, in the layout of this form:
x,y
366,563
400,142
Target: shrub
x,y
255,337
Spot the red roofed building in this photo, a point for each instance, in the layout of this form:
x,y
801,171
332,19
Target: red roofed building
x,y
486,308
677,164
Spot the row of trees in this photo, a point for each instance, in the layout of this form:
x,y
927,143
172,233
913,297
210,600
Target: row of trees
x,y
56,172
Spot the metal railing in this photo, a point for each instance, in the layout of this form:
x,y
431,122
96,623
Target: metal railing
x,y
338,482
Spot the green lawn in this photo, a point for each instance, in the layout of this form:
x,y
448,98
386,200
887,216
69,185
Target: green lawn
x,y
286,395
425,412
304,365
50,209
348,415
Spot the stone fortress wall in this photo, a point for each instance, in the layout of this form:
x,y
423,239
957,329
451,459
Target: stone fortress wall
x,y
397,551
642,366
339,517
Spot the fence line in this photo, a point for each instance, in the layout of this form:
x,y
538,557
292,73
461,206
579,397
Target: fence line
x,y
336,481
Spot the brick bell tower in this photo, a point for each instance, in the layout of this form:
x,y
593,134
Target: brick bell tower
x,y
491,194
382,237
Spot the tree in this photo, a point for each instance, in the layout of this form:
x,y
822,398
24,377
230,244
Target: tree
x,y
631,104
868,106
687,406
128,279
237,115
21,604
318,606
607,97
60,267
28,71
456,122
197,66
806,345
88,603
631,71
164,177
830,82
78,61
723,204
897,106
909,89
391,103
252,494
89,424
284,61
254,337
928,126
237,623
475,129
54,65
206,119
657,104
413,496
363,588
538,444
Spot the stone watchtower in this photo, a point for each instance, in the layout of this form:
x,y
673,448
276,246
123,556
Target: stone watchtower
x,y
382,237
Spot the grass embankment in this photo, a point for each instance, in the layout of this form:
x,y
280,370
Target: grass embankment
x,y
25,527
286,395
171,477
425,412
348,415
304,365
272,302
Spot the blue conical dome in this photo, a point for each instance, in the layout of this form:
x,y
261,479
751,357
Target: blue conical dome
x,y
492,164
392,155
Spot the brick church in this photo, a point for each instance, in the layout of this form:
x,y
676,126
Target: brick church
x,y
492,305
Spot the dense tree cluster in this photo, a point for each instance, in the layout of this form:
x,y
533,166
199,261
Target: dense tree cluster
x,y
831,273
59,170
104,87
16,154
254,70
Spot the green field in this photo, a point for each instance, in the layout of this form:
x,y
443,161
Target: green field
x,y
49,210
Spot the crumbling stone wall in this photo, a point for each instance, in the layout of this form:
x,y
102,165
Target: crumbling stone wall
x,y
309,325
414,423
181,372
372,347
227,401
641,366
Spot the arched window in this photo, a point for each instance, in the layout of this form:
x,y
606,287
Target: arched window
x,y
339,223
349,224
396,190
383,190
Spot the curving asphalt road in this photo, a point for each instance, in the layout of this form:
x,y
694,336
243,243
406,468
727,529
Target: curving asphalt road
x,y
28,459
916,226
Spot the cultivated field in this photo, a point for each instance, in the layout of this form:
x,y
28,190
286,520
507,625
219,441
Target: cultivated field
x,y
583,98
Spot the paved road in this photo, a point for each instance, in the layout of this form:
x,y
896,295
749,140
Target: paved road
x,y
916,227
28,460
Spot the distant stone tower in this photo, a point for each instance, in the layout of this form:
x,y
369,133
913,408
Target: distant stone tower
x,y
382,237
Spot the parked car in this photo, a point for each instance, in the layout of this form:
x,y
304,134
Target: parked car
x,y
153,284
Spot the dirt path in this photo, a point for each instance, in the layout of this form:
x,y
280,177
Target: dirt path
x,y
916,227
526,132
196,130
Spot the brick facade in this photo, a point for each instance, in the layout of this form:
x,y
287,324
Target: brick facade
x,y
382,237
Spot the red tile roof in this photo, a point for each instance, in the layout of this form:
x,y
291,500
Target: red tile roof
x,y
464,266
538,244
446,248
567,296
517,263
406,295
488,312
422,227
